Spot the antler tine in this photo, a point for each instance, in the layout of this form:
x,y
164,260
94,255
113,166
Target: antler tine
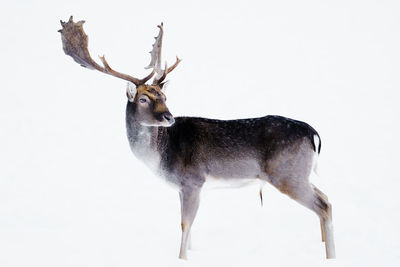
x,y
175,64
75,44
155,62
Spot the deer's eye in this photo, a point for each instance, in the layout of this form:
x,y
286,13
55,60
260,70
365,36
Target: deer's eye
x,y
142,100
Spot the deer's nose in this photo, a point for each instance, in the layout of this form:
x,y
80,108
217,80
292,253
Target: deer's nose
x,y
169,118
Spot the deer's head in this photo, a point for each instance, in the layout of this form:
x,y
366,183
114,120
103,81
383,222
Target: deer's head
x,y
148,99
149,104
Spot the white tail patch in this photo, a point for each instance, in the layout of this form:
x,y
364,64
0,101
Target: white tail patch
x,y
315,163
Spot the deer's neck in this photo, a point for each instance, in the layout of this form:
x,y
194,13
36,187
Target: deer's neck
x,y
143,140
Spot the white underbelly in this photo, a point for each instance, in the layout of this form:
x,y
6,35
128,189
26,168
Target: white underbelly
x,y
219,182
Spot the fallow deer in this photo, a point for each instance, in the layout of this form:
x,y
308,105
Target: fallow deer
x,y
187,151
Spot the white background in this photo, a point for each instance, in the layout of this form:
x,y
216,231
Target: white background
x,y
72,193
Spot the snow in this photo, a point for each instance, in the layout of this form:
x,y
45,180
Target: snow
x,y
72,193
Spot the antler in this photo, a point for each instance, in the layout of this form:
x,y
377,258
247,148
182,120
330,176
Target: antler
x,y
155,62
75,44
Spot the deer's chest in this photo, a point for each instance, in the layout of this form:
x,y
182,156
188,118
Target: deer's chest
x,y
143,147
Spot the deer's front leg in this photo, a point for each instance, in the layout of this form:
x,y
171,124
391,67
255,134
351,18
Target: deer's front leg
x,y
190,198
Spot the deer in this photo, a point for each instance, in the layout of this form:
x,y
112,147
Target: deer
x,y
189,152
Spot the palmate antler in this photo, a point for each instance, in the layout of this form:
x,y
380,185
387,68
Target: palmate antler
x,y
155,62
75,44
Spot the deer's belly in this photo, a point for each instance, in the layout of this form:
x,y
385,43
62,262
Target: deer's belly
x,y
233,171
218,173
218,182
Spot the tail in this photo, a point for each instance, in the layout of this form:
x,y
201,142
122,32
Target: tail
x,y
315,140
316,143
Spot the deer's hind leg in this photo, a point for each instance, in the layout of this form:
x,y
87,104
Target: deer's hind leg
x,y
288,171
325,197
312,198
324,210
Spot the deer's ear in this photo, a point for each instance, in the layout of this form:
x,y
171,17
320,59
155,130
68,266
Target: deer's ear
x,y
164,85
131,91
